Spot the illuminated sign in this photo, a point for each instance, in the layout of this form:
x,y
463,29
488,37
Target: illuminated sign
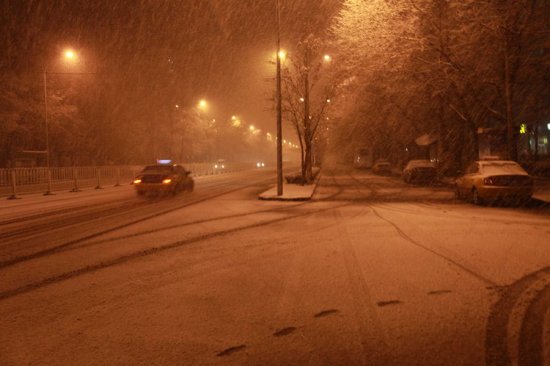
x,y
523,128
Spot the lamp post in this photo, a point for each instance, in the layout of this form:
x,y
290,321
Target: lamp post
x,y
279,109
49,191
67,55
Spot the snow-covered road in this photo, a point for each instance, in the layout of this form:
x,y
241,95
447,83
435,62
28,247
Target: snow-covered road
x,y
370,272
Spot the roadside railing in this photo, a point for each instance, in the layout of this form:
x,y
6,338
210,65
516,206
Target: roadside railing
x,y
31,180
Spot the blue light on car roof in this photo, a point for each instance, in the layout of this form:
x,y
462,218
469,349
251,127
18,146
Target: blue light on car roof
x,y
164,161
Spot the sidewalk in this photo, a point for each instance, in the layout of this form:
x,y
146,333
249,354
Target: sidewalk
x,y
542,189
291,192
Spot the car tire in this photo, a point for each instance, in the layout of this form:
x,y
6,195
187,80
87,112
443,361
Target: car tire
x,y
176,190
458,196
476,200
190,186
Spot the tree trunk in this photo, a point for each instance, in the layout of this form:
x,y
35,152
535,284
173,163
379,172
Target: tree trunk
x,y
511,134
308,171
302,158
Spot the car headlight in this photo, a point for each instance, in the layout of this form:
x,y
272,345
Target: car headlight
x,y
258,165
167,181
137,181
263,164
216,166
223,166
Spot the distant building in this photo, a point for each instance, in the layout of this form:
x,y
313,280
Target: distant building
x,y
534,140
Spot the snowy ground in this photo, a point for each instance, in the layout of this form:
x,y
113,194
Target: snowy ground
x,y
369,272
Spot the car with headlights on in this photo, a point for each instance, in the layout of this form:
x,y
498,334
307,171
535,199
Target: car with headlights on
x,y
381,167
492,180
419,171
260,164
163,178
220,165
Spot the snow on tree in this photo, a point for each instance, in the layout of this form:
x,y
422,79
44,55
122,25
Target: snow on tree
x,y
309,85
456,65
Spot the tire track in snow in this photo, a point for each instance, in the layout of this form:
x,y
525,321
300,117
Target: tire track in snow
x,y
81,242
85,244
147,252
42,215
530,343
160,212
367,319
121,207
416,243
420,245
428,249
530,347
63,221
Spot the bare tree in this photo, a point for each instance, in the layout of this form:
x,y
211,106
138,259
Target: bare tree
x,y
457,65
309,83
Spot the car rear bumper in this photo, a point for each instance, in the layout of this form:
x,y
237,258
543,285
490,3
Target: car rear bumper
x,y
154,187
494,193
422,178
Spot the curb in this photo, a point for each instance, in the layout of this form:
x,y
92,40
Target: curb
x,y
295,199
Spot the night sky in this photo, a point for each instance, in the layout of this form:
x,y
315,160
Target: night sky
x,y
174,51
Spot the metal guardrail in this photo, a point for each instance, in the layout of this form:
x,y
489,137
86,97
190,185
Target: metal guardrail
x,y
31,180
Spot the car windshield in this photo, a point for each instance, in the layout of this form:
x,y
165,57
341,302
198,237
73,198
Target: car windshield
x,y
506,167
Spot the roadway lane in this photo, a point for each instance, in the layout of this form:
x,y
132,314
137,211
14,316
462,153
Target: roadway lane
x,y
372,271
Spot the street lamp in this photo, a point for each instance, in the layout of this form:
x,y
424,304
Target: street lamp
x,y
69,55
279,107
235,121
202,104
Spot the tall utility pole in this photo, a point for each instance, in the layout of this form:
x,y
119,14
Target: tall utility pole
x,y
279,109
49,177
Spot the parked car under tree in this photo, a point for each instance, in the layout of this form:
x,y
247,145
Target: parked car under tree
x,y
381,167
492,180
419,171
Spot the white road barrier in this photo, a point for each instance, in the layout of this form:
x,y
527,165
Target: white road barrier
x,y
17,181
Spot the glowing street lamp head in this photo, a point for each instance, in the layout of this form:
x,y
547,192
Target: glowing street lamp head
x,y
69,54
202,104
327,58
251,128
282,55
